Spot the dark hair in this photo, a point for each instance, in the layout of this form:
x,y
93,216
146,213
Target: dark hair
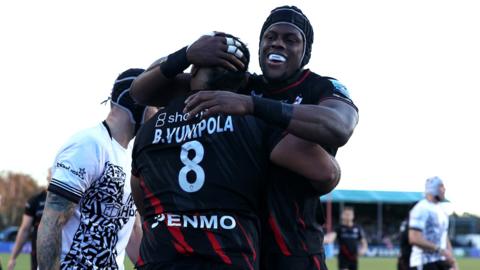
x,y
223,79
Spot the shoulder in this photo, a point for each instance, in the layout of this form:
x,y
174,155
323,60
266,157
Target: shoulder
x,y
327,87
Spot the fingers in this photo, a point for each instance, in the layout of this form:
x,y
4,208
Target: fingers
x,y
204,107
212,111
198,102
233,60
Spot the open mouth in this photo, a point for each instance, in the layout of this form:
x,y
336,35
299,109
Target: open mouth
x,y
276,58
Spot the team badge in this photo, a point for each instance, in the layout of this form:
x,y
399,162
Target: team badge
x,y
340,88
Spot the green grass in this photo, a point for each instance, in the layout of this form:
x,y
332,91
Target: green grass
x,y
23,263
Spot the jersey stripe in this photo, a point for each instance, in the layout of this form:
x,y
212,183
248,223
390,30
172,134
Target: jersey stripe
x,y
249,241
300,219
278,236
317,262
180,240
218,248
154,201
250,266
180,245
291,85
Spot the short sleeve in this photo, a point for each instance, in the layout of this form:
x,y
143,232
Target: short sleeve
x,y
418,218
338,91
75,167
30,207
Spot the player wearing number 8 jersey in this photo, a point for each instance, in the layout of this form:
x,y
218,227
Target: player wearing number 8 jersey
x,y
198,181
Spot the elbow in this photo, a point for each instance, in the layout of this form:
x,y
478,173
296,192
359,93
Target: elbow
x,y
325,180
135,93
341,136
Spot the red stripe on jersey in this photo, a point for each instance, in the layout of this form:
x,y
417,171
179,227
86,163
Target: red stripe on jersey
x,y
250,266
180,245
140,261
300,219
345,252
317,262
278,236
293,84
304,246
218,248
249,240
154,201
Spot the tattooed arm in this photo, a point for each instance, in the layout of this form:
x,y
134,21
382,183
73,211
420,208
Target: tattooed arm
x,y
57,212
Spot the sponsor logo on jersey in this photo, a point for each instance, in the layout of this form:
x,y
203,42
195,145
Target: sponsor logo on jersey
x,y
80,173
339,88
196,221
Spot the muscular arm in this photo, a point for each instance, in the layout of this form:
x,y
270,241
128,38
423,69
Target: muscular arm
x,y
331,122
309,160
153,88
22,237
133,246
57,212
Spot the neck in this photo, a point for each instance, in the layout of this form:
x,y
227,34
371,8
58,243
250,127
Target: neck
x,y
431,198
120,128
348,223
280,84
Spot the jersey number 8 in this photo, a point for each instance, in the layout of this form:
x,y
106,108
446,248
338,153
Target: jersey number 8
x,y
191,165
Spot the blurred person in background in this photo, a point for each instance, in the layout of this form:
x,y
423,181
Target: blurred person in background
x,y
30,221
428,231
403,262
351,241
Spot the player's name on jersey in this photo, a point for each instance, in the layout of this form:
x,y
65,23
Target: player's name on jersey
x,y
195,221
178,134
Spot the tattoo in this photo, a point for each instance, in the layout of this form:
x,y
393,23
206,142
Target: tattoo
x,y
49,239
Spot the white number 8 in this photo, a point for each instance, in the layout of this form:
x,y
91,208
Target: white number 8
x,y
191,165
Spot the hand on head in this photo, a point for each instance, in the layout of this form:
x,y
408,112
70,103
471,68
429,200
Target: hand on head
x,y
215,50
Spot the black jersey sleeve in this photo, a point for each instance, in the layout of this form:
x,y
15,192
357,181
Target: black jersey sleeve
x,y
335,89
30,207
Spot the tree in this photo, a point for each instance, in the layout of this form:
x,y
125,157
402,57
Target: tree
x,y
15,190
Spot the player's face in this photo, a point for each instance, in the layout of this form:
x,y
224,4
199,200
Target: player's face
x,y
281,51
441,193
347,215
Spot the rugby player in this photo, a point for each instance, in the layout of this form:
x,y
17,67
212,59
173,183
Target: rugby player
x,y
89,213
321,112
199,181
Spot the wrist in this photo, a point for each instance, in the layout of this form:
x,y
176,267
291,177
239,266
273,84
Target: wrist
x,y
272,111
175,63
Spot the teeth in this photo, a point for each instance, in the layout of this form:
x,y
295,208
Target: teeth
x,y
277,57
